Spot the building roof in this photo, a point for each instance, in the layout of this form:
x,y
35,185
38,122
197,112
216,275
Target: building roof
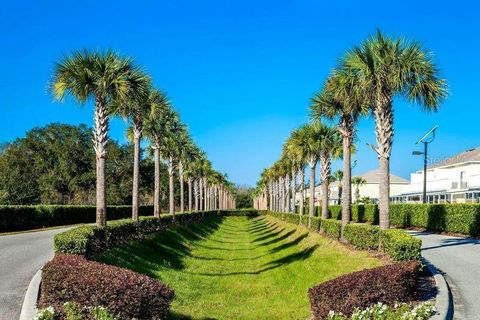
x,y
374,177
471,155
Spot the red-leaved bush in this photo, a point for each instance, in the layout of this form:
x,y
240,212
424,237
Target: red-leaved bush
x,y
126,294
388,284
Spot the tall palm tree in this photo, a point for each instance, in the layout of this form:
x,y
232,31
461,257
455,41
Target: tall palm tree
x,y
190,157
385,68
342,99
170,149
155,127
309,137
331,148
299,153
135,110
357,182
185,143
104,77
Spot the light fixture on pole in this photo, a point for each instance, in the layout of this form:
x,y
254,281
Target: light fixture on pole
x,y
426,139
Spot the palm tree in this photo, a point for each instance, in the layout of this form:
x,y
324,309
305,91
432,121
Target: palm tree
x,y
337,176
155,128
385,68
185,143
170,149
104,77
298,152
309,137
357,182
294,150
342,99
135,110
190,156
331,147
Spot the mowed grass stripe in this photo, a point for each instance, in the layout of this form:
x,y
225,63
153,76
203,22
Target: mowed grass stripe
x,y
240,267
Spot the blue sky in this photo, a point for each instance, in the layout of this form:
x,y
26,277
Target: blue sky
x,y
241,73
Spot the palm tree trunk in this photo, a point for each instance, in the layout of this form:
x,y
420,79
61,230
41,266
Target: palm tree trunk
x,y
171,191
384,189
311,208
302,192
196,193
180,173
326,170
189,193
287,193
136,171
156,195
100,140
294,190
383,113
346,182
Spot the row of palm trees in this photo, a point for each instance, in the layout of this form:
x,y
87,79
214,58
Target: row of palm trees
x,y
118,87
364,83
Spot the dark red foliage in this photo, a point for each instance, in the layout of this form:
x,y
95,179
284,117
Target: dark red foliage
x,y
125,293
388,284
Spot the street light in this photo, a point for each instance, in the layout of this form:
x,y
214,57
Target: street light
x,y
426,139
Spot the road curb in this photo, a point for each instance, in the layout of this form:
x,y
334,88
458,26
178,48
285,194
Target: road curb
x,y
29,306
444,301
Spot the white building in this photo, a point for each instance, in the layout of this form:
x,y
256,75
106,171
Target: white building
x,y
368,190
453,180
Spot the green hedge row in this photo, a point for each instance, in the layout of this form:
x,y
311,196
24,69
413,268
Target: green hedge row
x,y
456,218
18,218
90,240
396,243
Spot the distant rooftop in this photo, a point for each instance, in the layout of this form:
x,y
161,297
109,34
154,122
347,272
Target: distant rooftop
x,y
374,177
471,155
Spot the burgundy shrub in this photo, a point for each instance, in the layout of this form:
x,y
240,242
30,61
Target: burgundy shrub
x,y
387,284
124,293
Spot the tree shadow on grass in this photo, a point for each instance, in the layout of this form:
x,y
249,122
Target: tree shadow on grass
x,y
268,235
165,249
297,256
277,239
289,244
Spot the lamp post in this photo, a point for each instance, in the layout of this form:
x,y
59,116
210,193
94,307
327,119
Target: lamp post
x,y
426,139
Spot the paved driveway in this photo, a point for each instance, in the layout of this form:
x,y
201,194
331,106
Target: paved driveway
x,y
459,260
21,255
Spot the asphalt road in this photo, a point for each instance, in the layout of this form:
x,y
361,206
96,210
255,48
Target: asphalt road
x,y
459,260
21,255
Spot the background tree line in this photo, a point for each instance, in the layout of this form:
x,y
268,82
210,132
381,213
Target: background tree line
x,y
55,164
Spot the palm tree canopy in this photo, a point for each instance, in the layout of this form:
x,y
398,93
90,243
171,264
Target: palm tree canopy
x,y
386,67
358,181
159,116
342,96
90,74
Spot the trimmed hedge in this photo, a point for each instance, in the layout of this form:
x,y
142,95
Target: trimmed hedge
x,y
400,245
388,284
335,211
455,218
18,218
91,240
124,293
332,228
362,236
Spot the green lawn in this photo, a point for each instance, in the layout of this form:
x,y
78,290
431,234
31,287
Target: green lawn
x,y
239,267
